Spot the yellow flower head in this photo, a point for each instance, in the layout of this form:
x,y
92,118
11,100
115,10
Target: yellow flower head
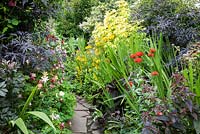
x,y
88,47
45,74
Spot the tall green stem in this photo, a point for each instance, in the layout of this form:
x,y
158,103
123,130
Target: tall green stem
x,y
28,102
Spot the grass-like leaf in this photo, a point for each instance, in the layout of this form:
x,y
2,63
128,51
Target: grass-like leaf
x,y
20,123
44,117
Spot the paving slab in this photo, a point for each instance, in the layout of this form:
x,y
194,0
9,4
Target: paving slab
x,y
80,107
96,132
79,123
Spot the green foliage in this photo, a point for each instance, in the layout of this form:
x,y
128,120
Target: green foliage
x,y
23,15
57,102
24,52
28,102
197,126
3,90
192,75
20,123
44,117
12,84
73,14
121,71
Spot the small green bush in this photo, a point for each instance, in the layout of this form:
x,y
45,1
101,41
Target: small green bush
x,y
74,13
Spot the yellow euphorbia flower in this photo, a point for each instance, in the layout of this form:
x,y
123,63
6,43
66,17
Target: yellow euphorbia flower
x,y
88,47
116,25
81,58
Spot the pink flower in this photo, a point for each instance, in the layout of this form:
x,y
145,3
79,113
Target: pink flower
x,y
62,126
39,85
52,86
12,3
32,76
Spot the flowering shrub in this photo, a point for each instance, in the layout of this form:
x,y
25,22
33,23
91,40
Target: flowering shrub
x,y
115,25
57,100
35,60
97,15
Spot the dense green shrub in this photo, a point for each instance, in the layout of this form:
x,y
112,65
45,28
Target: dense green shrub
x,y
24,15
176,20
73,14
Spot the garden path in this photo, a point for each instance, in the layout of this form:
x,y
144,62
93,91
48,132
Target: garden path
x,y
82,121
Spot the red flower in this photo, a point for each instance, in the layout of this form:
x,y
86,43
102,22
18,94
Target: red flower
x,y
130,83
139,54
152,50
150,55
159,113
133,56
62,42
154,73
138,60
53,80
12,3
47,39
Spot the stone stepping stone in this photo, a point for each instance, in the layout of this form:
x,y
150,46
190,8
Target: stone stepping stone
x,y
79,123
82,118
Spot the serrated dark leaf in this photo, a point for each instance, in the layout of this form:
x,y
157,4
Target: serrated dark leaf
x,y
146,131
162,118
179,126
189,105
167,130
173,119
24,2
147,123
195,116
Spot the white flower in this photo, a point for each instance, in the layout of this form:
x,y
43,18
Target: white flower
x,y
197,5
44,79
54,116
61,93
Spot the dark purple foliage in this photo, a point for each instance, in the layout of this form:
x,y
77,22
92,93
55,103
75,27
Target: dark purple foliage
x,y
176,114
